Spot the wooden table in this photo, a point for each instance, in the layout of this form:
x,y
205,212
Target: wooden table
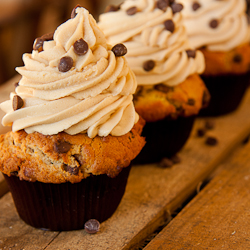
x,y
203,202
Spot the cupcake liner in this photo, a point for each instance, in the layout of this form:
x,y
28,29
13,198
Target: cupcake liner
x,y
67,206
226,93
164,138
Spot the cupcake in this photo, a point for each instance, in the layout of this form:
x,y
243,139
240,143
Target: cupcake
x,y
74,128
170,92
221,30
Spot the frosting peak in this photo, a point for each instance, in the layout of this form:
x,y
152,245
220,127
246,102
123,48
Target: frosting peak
x,y
154,34
218,25
74,84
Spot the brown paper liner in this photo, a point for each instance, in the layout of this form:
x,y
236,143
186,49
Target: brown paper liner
x,y
66,206
164,138
226,93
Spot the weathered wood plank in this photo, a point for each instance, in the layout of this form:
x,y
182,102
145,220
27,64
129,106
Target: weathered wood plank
x,y
219,216
15,234
153,193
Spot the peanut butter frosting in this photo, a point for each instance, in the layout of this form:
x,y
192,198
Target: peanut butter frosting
x,y
218,25
73,82
153,32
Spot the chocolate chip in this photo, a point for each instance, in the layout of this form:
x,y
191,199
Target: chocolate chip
x,y
48,36
131,11
175,159
169,25
191,53
205,99
209,124
119,49
38,44
79,159
237,58
62,147
65,64
92,226
211,141
162,87
166,163
148,65
14,173
214,23
246,140
81,47
196,6
17,102
73,12
16,84
201,132
191,102
162,4
71,170
176,7
111,8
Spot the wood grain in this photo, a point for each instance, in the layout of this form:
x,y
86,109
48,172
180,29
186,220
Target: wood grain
x,y
152,193
219,216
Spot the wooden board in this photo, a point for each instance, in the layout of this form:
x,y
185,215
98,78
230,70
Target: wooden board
x,y
151,196
219,216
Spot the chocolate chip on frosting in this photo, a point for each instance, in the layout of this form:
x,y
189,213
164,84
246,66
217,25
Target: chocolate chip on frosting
x,y
148,65
237,58
38,44
131,11
162,4
119,49
62,147
169,25
191,53
111,8
81,47
214,23
196,6
17,102
73,13
92,226
176,7
65,64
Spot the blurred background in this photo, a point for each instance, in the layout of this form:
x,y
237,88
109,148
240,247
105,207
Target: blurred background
x,y
21,21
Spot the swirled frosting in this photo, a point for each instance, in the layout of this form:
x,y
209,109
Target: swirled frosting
x,y
147,39
229,30
94,96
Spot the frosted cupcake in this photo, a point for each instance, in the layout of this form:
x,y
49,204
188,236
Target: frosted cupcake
x,y
170,93
74,128
221,30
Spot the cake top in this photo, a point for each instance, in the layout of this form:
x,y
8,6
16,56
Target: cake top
x,y
153,32
73,81
218,25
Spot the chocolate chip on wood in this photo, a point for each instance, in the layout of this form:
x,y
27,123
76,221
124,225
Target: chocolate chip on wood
x,y
92,226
